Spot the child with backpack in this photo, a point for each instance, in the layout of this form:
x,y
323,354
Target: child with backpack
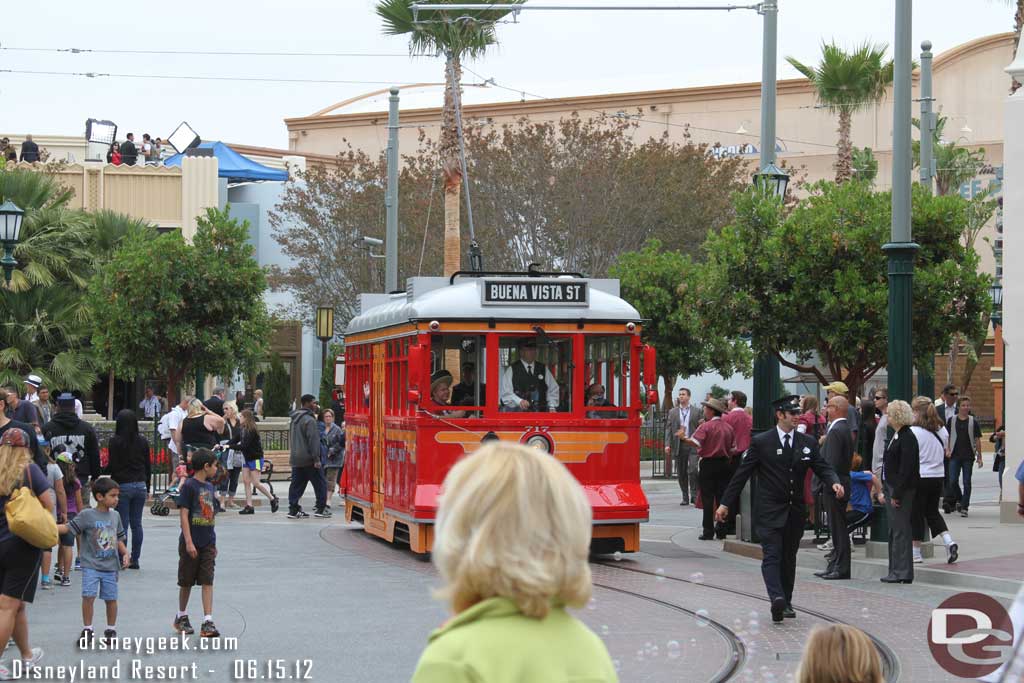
x,y
102,537
73,494
55,477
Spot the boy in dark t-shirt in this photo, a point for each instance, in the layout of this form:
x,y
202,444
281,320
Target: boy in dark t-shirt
x,y
197,546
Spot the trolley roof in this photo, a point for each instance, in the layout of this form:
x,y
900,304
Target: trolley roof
x,y
559,299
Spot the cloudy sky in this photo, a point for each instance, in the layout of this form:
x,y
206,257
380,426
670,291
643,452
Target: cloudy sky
x,y
546,53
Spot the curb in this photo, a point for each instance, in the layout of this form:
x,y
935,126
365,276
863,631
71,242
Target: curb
x,y
874,570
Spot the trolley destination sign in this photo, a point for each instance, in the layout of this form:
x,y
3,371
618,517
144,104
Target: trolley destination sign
x,y
533,292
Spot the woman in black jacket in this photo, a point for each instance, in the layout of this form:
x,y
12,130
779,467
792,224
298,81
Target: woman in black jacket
x,y
249,443
129,465
900,472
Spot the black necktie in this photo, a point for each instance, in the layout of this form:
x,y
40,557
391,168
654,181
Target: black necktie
x,y
786,447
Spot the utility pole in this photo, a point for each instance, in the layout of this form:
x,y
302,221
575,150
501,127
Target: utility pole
x,y
901,249
766,365
391,198
926,372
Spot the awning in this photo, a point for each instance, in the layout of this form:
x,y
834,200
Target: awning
x,y
234,166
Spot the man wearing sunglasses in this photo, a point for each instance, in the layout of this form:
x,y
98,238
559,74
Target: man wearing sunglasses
x,y
946,409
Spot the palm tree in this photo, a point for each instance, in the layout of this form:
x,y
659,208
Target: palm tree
x,y
45,330
54,236
847,82
456,35
954,165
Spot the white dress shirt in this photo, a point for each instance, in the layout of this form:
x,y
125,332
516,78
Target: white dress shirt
x,y
783,435
510,399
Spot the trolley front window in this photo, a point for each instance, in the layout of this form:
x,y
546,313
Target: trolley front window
x,y
536,373
456,380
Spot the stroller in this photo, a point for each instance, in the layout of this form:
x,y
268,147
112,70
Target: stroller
x,y
168,498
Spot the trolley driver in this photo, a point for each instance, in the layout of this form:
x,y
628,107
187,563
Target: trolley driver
x,y
527,385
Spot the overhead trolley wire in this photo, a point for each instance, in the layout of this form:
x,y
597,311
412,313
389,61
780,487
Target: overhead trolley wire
x,y
257,79
204,53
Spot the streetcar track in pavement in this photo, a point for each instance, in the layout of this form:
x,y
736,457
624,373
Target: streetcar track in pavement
x,y
890,662
737,651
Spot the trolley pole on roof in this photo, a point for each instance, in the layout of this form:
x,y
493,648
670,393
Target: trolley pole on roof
x,y
391,198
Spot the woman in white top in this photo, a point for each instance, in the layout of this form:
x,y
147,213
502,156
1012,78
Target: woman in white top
x,y
932,440
257,407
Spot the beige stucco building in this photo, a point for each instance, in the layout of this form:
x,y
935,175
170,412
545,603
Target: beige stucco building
x,y
969,86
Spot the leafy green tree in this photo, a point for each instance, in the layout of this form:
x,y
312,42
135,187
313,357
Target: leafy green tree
x,y
814,282
457,34
664,287
327,376
278,394
717,391
167,308
555,193
847,82
865,165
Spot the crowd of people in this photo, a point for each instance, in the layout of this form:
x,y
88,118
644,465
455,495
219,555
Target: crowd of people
x,y
150,152
30,150
98,507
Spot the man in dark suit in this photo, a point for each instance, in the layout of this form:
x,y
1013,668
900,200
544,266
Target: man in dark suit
x,y
29,150
129,152
838,452
781,458
681,423
215,403
946,409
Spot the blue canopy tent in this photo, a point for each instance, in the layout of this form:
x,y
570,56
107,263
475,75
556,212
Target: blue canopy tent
x,y
233,166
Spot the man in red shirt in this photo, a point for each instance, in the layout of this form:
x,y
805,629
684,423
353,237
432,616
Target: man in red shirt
x,y
741,422
715,444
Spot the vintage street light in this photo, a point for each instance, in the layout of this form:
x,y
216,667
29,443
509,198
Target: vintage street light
x,y
324,329
10,230
772,180
996,292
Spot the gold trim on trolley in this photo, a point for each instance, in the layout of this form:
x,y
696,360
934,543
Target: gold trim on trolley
x,y
569,447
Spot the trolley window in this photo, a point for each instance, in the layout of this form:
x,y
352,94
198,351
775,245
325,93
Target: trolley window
x,y
455,380
608,382
536,373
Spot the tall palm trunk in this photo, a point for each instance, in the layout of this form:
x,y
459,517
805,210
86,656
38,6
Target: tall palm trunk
x,y
452,169
844,148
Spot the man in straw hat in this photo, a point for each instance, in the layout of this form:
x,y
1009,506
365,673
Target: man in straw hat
x,y
781,458
441,391
715,443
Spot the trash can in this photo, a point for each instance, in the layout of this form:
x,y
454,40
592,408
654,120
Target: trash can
x,y
880,524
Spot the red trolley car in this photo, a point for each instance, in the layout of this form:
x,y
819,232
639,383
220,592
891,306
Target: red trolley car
x,y
526,357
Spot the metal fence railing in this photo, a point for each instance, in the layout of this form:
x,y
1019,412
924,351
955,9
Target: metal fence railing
x,y
273,440
652,443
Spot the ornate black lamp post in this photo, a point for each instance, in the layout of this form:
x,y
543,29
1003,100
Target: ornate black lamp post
x,y
10,231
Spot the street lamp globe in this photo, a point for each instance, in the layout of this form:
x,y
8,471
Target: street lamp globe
x,y
10,231
324,323
996,292
772,180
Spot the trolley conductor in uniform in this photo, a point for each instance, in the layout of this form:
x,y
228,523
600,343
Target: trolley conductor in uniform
x,y
526,384
781,457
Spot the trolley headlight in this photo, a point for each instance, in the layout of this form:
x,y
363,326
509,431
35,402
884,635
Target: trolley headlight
x,y
539,442
630,327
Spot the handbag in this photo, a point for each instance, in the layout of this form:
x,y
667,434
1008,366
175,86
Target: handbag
x,y
28,519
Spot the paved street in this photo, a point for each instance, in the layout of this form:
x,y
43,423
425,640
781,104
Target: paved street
x,y
360,610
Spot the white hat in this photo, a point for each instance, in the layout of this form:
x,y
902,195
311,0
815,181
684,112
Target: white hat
x,y
34,381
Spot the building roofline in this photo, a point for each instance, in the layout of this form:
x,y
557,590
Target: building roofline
x,y
617,100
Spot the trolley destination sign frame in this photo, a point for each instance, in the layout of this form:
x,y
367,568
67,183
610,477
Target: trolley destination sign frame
x,y
534,292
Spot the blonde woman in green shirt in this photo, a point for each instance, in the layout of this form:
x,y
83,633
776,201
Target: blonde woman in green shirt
x,y
513,536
